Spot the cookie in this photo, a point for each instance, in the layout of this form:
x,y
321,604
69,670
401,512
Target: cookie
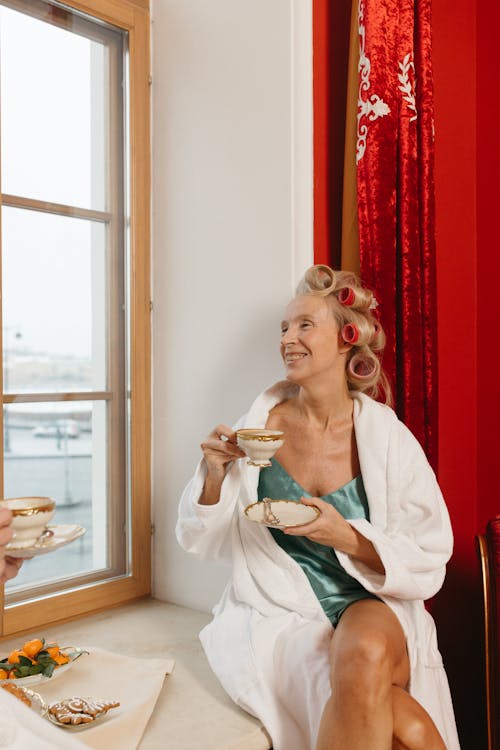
x,y
79,710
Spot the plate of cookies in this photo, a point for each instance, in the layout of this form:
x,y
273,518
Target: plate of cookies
x,y
79,712
69,713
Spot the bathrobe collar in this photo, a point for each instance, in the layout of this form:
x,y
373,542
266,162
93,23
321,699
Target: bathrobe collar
x,y
373,425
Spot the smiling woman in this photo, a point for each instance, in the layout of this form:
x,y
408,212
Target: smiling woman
x,y
338,649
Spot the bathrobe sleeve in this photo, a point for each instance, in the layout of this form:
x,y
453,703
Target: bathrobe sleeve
x,y
416,540
205,530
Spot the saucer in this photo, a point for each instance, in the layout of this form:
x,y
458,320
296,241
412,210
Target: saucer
x,y
62,534
287,512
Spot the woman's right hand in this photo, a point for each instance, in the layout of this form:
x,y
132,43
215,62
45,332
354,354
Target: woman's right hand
x,y
219,449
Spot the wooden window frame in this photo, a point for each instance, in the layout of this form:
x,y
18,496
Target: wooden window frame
x,y
133,17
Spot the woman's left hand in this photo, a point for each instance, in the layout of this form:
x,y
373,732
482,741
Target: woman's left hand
x,y
330,528
9,566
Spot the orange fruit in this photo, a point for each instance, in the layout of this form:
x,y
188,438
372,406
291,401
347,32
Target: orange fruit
x,y
53,651
3,674
31,648
14,656
61,659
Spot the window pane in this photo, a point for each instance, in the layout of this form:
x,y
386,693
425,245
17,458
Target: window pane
x,y
54,303
64,284
55,115
60,450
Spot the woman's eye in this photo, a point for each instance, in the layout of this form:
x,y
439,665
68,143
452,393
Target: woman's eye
x,y
305,324
283,331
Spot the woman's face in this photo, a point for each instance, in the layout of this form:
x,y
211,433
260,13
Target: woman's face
x,y
310,340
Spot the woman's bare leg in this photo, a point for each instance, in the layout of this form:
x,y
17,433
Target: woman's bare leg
x,y
369,669
367,657
413,727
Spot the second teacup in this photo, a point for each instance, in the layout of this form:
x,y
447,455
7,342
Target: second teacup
x,y
30,516
259,444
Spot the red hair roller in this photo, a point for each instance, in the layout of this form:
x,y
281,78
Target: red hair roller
x,y
350,333
346,296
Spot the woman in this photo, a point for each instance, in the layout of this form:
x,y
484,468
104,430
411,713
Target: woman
x,y
322,631
9,566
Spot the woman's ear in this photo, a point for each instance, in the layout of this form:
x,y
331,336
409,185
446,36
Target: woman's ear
x,y
344,347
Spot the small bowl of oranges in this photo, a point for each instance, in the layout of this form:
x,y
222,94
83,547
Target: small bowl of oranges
x,y
37,661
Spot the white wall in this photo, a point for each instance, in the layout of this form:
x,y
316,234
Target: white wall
x,y
232,232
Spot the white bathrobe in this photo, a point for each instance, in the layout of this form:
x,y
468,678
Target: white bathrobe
x,y
268,641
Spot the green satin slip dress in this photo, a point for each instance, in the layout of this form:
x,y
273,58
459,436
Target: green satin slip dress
x,y
335,588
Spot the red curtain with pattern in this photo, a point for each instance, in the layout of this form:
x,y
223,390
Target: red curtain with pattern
x,y
395,188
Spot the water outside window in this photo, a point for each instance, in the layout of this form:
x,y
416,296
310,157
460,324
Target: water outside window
x,y
50,450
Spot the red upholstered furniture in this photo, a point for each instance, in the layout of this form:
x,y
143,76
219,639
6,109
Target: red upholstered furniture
x,y
489,555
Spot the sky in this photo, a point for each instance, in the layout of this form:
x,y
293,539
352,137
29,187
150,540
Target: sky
x,y
46,153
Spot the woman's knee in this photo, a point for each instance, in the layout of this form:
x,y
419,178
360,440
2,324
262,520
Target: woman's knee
x,y
417,732
366,660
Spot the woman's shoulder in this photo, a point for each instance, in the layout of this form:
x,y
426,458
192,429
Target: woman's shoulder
x,y
378,418
268,399
367,407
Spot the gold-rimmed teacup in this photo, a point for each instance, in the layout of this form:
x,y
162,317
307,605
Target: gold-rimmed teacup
x,y
259,444
30,516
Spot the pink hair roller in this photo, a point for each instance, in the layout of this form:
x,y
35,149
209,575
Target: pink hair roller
x,y
350,333
360,368
346,296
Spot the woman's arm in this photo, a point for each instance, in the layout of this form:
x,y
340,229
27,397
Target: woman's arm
x,y
219,450
332,530
417,540
206,509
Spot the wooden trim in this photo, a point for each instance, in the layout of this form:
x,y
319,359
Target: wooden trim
x,y
63,18
32,398
482,548
31,204
118,13
2,588
70,605
144,4
140,295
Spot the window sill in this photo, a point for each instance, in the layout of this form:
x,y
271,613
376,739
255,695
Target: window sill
x,y
192,710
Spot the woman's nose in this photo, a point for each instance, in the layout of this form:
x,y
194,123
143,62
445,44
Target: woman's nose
x,y
289,336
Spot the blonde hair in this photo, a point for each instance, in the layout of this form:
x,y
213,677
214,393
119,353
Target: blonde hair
x,y
363,365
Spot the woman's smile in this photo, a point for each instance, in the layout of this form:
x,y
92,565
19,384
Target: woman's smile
x,y
293,357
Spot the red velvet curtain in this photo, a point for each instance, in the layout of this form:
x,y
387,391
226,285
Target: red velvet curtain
x,y
395,184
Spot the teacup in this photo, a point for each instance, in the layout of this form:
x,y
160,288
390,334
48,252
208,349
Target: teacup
x,y
30,516
259,445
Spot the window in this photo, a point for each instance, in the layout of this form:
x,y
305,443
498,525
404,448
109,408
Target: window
x,y
74,137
